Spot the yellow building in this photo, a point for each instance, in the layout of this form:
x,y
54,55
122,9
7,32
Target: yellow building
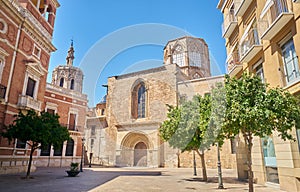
x,y
262,37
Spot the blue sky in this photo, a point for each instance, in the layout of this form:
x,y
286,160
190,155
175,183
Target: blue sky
x,y
132,33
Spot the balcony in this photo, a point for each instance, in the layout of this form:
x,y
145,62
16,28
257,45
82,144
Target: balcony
x,y
2,91
274,17
28,102
250,45
229,25
242,6
233,64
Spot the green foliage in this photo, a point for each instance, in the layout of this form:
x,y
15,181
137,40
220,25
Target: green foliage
x,y
37,129
187,126
74,166
252,109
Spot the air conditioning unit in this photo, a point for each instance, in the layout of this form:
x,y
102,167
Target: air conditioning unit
x,y
296,1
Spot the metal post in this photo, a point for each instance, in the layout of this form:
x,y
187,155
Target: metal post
x,y
194,159
220,180
82,153
91,156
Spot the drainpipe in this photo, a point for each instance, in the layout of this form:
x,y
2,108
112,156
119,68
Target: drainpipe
x,y
13,62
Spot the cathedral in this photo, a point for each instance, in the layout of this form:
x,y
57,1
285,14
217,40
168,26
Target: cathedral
x,y
123,129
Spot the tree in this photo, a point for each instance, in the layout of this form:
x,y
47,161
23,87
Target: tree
x,y
254,110
37,130
187,127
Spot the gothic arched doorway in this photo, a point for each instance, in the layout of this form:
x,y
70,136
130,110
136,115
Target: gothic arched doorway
x,y
140,155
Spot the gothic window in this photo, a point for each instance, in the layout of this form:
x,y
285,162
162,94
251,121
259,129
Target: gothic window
x,y
72,84
178,56
139,101
30,87
61,82
70,147
195,59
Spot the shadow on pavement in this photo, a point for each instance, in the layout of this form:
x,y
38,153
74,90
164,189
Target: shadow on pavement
x,y
56,180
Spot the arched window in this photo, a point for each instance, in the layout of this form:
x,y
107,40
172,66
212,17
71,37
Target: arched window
x,y
72,84
139,101
61,82
70,148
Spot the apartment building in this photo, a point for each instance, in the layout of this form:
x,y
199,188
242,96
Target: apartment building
x,y
262,37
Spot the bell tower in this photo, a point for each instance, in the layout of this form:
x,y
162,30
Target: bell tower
x,y
190,54
68,76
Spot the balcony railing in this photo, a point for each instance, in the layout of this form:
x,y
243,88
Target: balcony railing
x,y
273,18
250,45
2,91
241,6
26,101
233,63
230,23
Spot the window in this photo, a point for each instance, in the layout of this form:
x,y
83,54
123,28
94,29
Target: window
x,y
72,121
102,111
179,59
70,148
178,56
45,150
58,152
36,51
51,111
195,59
139,101
61,82
290,62
30,87
1,68
93,130
20,144
72,84
259,71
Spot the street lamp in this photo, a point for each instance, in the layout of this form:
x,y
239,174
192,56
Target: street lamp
x,y
91,156
82,153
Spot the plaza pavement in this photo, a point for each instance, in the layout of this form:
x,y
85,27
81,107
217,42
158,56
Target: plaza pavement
x,y
124,180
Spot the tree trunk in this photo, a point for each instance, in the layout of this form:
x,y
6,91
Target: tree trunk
x,y
29,164
201,154
178,159
249,161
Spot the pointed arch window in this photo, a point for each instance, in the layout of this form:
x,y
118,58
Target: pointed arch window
x,y
139,96
61,82
72,84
